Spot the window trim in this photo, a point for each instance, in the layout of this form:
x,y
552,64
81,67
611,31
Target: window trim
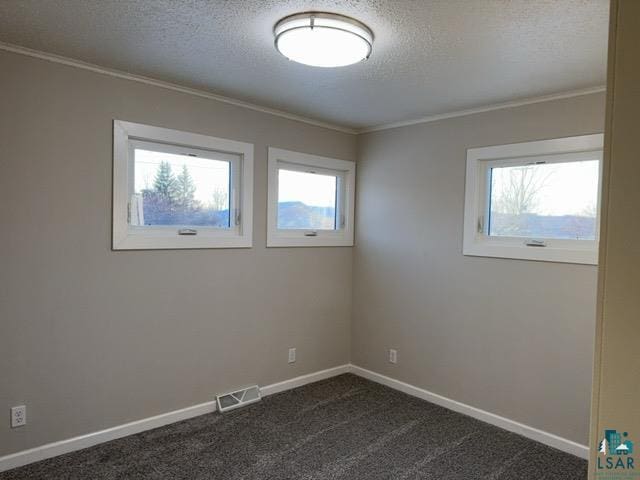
x,y
345,204
127,237
476,240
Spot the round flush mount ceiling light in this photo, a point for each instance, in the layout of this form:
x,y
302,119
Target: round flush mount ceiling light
x,y
323,39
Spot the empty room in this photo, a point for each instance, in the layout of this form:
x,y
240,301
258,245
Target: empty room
x,y
319,239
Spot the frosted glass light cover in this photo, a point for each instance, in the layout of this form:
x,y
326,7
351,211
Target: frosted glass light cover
x,y
323,40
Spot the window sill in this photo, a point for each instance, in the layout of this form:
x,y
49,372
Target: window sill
x,y
550,253
141,241
303,241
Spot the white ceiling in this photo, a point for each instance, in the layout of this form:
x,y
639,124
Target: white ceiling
x,y
429,57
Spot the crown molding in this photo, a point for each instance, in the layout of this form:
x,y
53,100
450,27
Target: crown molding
x,y
280,113
486,108
8,47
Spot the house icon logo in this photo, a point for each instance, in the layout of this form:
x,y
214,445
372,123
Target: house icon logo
x,y
614,443
615,452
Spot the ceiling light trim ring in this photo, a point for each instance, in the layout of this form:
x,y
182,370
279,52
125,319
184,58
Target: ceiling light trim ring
x,y
312,16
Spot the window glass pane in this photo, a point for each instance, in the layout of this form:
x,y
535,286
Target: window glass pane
x,y
554,200
172,189
306,200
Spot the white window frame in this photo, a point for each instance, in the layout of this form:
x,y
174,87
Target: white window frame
x,y
345,205
126,135
478,242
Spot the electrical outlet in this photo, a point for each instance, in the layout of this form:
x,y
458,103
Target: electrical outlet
x,y
18,416
292,355
393,356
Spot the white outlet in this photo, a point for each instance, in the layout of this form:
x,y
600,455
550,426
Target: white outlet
x,y
292,355
393,356
18,416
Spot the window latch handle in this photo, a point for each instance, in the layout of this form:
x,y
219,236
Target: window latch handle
x,y
187,231
535,243
311,234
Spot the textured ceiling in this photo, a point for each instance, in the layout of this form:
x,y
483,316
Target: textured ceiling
x,y
429,56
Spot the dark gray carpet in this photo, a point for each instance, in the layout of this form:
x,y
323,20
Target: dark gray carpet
x,y
342,428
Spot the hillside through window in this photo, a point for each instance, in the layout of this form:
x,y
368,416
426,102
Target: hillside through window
x,y
306,200
310,200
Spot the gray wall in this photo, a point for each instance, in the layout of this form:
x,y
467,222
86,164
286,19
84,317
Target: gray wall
x,y
508,336
91,338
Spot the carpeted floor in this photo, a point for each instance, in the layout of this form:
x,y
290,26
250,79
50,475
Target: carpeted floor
x,y
342,428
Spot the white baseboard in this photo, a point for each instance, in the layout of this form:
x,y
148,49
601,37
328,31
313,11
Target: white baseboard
x,y
50,450
541,436
304,380
54,449
90,439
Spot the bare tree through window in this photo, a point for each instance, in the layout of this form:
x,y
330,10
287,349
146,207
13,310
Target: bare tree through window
x,y
546,200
